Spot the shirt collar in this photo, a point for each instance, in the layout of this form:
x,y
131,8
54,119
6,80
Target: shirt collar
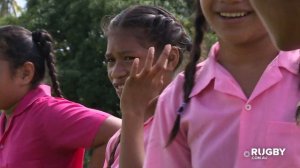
x,y
30,97
205,71
289,60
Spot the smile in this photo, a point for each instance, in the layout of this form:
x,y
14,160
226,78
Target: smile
x,y
233,14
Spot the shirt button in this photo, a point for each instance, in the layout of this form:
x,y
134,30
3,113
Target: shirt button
x,y
248,107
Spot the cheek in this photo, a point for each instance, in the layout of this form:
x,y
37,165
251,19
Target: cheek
x,y
109,71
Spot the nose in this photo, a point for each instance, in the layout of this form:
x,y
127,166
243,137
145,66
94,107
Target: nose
x,y
118,70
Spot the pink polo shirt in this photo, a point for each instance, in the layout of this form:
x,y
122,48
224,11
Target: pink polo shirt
x,y
47,132
222,128
114,139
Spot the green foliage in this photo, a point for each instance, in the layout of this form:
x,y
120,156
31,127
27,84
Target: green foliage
x,y
75,26
8,20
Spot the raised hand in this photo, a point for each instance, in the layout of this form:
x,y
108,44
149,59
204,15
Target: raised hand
x,y
142,87
139,92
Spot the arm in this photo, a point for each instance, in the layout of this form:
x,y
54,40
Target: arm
x,y
105,132
143,88
97,157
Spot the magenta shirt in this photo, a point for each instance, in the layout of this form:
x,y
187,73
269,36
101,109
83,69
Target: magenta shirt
x,y
222,128
113,140
47,132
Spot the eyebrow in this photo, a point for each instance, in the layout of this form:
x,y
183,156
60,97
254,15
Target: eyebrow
x,y
107,55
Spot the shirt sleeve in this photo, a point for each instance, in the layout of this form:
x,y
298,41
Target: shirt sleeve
x,y
177,154
70,125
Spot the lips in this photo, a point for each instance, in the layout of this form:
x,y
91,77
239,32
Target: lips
x,y
233,14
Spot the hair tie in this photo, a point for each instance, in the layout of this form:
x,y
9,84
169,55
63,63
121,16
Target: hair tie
x,y
181,108
36,37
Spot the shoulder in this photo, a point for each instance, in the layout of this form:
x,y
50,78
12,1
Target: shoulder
x,y
58,107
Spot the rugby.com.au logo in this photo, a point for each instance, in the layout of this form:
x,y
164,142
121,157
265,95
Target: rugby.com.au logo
x,y
263,153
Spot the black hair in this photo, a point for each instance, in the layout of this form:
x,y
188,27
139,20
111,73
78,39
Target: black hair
x,y
153,26
18,45
190,69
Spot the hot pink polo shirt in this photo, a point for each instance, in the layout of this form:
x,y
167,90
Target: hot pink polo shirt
x,y
47,132
221,128
113,140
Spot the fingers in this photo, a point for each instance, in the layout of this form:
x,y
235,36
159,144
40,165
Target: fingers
x,y
134,68
162,61
149,59
150,71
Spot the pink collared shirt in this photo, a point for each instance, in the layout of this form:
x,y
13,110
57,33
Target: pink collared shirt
x,y
113,142
221,128
47,132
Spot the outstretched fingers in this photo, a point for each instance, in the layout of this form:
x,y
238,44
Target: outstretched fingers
x,y
162,61
134,68
149,59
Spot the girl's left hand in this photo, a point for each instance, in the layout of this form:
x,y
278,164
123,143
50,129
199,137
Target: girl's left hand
x,y
142,87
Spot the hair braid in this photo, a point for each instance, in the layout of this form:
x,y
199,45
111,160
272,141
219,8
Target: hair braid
x,y
44,41
190,70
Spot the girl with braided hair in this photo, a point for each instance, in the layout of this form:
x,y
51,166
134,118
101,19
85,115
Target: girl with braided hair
x,y
236,109
146,45
36,129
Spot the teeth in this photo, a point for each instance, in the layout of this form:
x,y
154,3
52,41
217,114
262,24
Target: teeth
x,y
120,87
233,15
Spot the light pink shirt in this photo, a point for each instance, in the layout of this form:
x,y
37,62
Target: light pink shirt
x,y
220,124
47,132
113,140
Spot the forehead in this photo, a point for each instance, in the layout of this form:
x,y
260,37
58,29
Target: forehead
x,y
119,39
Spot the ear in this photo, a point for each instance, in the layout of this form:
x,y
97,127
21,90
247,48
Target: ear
x,y
25,73
173,59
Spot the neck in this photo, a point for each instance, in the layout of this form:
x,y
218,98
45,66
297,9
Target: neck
x,y
246,63
8,112
261,52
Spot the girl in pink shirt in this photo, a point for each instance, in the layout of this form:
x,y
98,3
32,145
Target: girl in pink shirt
x,y
132,37
238,108
36,129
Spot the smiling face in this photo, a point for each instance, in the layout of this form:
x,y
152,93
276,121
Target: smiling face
x,y
281,17
234,21
122,48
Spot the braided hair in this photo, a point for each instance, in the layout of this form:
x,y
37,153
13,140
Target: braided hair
x,y
19,45
153,26
190,70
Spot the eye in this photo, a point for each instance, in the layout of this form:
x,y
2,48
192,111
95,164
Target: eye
x,y
109,60
129,58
